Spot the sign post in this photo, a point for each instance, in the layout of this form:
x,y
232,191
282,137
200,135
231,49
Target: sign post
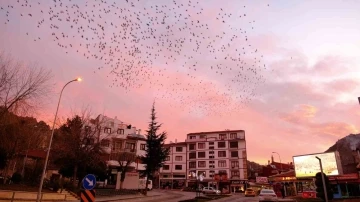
x,y
89,182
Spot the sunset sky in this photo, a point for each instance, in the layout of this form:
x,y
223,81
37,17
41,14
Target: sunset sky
x,y
307,102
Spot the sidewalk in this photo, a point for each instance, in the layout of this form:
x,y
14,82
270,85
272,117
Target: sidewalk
x,y
150,194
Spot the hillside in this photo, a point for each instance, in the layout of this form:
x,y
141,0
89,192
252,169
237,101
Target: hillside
x,y
347,147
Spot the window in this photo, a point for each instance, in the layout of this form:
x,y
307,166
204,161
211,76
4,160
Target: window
x,y
107,130
221,145
130,146
222,136
203,173
201,145
201,154
234,154
178,158
211,147
202,136
234,164
192,137
233,145
212,173
167,158
105,143
192,164
142,146
178,167
211,143
179,149
221,153
120,131
166,167
233,135
201,164
235,173
211,162
221,164
211,152
192,155
223,172
179,176
192,146
117,145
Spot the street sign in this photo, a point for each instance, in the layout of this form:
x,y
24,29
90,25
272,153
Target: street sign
x,y
89,182
87,196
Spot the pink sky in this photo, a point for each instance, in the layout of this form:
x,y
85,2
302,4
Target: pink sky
x,y
307,102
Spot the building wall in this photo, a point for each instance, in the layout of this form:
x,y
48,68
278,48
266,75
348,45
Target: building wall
x,y
210,153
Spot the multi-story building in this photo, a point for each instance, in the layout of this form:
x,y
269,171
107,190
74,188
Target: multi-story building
x,y
220,156
173,173
116,136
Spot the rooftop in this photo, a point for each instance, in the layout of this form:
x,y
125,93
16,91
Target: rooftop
x,y
222,131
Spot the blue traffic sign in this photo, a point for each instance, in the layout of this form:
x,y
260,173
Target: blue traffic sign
x,y
89,182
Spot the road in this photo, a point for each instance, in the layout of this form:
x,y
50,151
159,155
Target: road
x,y
175,196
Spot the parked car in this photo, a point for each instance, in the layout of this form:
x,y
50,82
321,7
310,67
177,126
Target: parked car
x,y
210,190
267,195
249,192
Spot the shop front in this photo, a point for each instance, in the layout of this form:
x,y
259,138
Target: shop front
x,y
223,182
238,185
346,185
292,186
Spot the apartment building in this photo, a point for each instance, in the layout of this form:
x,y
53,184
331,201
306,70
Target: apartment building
x,y
220,156
173,173
117,136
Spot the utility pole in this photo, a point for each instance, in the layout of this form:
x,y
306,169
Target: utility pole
x,y
323,179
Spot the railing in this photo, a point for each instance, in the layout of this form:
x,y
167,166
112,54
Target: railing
x,y
30,196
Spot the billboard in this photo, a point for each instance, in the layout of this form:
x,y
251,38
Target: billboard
x,y
308,165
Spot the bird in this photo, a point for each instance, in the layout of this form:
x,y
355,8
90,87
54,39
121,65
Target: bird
x,y
166,47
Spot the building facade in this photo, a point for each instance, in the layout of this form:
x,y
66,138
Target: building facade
x,y
173,173
116,136
219,156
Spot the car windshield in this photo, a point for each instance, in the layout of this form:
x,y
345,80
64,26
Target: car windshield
x,y
267,192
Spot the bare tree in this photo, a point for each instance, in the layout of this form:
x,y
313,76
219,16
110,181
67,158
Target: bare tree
x,y
124,159
22,87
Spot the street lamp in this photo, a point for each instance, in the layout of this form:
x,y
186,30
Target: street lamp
x,y
51,137
323,179
279,159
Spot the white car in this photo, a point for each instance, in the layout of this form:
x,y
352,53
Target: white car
x,y
267,195
210,190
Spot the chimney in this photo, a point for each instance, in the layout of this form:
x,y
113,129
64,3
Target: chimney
x,y
139,131
272,159
268,162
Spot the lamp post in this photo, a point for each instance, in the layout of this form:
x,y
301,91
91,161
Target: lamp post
x,y
279,159
323,179
50,142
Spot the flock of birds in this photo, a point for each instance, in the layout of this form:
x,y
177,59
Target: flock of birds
x,y
192,55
